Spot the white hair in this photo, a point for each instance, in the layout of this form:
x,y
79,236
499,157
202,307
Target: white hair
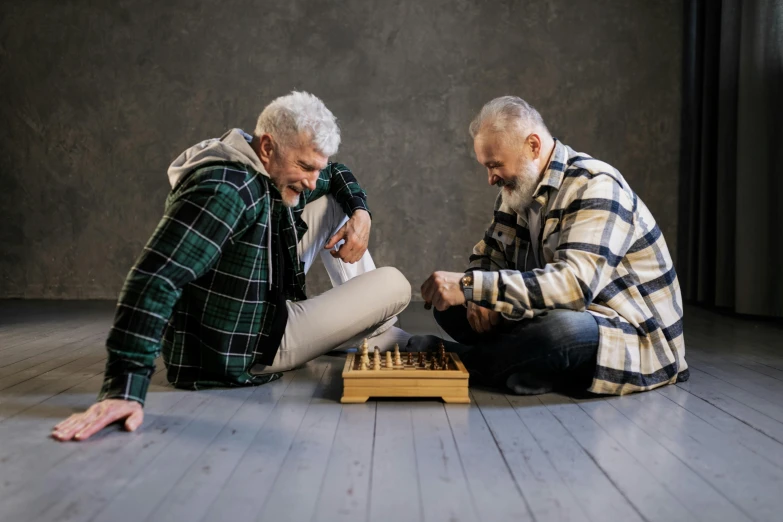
x,y
506,113
287,117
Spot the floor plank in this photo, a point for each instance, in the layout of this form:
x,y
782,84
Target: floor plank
x,y
547,494
748,482
596,493
495,494
305,465
184,486
650,497
345,494
444,487
34,493
764,415
395,492
246,490
740,431
701,499
23,396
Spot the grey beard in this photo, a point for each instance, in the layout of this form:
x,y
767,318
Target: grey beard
x,y
286,203
522,196
524,185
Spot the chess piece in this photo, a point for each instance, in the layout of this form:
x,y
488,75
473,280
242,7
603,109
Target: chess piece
x,y
397,358
389,359
365,358
376,359
410,357
421,359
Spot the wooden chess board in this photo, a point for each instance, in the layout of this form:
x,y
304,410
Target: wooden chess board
x,y
411,379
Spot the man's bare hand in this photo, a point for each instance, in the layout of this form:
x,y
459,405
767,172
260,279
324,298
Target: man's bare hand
x,y
442,290
482,319
356,233
81,426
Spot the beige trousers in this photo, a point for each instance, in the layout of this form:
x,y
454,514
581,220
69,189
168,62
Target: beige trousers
x,y
363,302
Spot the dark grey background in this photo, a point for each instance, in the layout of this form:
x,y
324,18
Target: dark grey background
x,y
99,97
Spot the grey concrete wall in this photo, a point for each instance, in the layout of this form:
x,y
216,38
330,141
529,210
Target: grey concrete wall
x,y
98,97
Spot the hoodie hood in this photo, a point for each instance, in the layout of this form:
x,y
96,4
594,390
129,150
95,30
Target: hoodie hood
x,y
233,146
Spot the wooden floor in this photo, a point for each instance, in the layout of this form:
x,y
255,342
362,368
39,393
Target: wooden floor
x,y
710,449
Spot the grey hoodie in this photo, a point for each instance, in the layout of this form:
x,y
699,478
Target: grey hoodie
x,y
232,146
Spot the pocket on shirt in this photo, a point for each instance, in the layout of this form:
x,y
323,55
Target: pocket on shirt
x,y
503,234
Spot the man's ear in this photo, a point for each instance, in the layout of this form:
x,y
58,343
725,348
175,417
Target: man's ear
x,y
534,141
265,147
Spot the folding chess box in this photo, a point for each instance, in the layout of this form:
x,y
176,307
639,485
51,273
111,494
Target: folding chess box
x,y
413,378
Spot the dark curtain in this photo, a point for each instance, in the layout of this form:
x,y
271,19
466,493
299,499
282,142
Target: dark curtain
x,y
730,239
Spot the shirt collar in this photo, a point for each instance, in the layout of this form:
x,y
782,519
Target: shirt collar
x,y
555,170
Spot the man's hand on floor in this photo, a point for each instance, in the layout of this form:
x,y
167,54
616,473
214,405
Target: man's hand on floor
x,y
81,426
356,233
482,319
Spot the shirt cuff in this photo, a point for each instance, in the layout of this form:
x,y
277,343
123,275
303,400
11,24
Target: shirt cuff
x,y
129,387
485,288
356,203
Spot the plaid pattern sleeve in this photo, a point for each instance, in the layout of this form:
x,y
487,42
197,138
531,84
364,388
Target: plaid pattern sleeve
x,y
338,180
595,234
188,240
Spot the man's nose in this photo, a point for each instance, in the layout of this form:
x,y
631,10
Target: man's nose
x,y
309,183
492,179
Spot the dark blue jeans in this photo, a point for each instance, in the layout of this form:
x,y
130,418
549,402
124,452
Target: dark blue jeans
x,y
554,351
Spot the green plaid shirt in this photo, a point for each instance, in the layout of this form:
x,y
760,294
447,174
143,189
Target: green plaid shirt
x,y
200,289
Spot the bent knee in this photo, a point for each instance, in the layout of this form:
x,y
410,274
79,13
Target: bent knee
x,y
397,286
564,327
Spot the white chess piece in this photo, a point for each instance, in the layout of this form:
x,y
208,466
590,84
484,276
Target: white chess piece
x,y
365,358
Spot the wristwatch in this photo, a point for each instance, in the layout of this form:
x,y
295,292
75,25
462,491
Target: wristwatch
x,y
466,285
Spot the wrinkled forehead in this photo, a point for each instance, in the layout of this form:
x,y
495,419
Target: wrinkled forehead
x,y
303,150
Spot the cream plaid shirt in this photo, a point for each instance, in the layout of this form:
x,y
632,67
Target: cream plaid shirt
x,y
603,253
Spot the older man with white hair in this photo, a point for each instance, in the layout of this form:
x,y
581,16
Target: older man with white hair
x,y
572,286
220,286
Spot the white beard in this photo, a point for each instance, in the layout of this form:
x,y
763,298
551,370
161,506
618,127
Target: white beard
x,y
291,201
521,197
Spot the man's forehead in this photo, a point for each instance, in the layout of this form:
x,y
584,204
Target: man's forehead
x,y
486,147
307,153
